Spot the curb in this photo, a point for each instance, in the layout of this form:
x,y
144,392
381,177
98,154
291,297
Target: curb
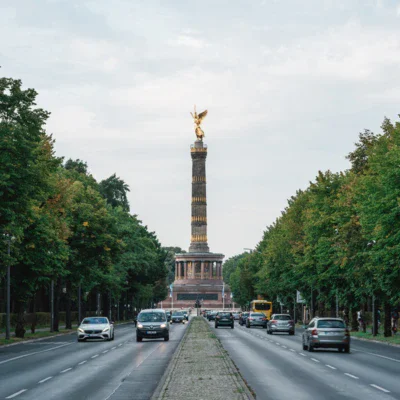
x,y
170,369
2,346
374,341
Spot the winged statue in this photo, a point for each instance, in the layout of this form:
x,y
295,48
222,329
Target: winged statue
x,y
198,118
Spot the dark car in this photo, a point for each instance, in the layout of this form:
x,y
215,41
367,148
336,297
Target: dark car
x,y
152,324
186,315
211,315
169,313
280,323
224,319
256,319
327,333
236,316
177,316
242,318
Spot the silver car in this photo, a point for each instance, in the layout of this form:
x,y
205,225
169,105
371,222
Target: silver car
x,y
280,323
256,319
327,333
152,324
96,328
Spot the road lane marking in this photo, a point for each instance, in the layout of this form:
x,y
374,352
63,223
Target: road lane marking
x,y
113,348
292,350
16,394
65,370
330,366
380,388
32,354
315,360
120,345
302,354
377,355
45,379
82,362
94,356
105,351
278,343
284,347
351,376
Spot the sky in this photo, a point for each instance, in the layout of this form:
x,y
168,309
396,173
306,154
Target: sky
x,y
288,85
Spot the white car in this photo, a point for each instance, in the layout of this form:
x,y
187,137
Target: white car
x,y
96,328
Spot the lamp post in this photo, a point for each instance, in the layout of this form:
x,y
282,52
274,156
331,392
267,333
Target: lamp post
x,y
8,238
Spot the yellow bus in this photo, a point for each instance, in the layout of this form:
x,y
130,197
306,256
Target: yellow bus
x,y
262,306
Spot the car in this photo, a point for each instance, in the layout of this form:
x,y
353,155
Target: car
x,y
224,318
280,323
256,319
242,318
211,315
177,316
95,328
326,333
186,315
152,324
169,313
236,316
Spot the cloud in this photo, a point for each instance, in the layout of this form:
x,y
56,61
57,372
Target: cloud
x,y
188,41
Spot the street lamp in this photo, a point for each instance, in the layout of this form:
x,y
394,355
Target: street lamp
x,y
8,238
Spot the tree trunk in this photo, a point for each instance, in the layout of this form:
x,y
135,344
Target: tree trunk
x,y
34,318
354,322
57,296
19,326
388,325
106,305
68,321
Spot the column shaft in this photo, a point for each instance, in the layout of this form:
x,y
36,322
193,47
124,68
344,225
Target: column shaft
x,y
202,270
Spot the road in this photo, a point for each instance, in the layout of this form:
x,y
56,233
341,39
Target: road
x,y
61,368
276,367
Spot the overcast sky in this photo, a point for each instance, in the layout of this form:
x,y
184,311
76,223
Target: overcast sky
x,y
288,85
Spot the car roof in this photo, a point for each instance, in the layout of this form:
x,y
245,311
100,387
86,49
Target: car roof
x,y
328,318
153,310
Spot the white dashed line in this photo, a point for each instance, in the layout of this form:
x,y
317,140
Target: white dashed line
x,y
380,388
113,348
45,379
82,362
65,370
278,343
105,351
16,394
302,354
94,356
292,350
376,355
330,366
284,347
120,345
351,376
315,360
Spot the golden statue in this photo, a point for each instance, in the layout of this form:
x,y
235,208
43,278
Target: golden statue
x,y
198,118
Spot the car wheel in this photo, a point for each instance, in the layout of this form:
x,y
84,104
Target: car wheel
x,y
113,336
138,339
270,332
232,326
347,348
340,349
264,326
310,347
166,338
216,326
291,333
305,346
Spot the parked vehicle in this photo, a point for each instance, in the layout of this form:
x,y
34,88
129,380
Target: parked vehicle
x,y
236,316
152,324
224,319
280,323
177,316
256,319
96,328
326,333
242,318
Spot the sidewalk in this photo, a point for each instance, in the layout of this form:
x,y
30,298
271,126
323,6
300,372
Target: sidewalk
x,y
201,369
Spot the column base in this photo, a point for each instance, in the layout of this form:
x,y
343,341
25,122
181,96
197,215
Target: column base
x,y
199,248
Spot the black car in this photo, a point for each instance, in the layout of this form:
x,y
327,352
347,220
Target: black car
x,y
211,316
168,315
224,319
152,324
242,318
186,315
177,316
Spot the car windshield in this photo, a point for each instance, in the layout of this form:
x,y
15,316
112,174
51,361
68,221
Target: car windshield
x,y
95,321
151,317
224,314
282,317
245,314
331,324
254,314
177,314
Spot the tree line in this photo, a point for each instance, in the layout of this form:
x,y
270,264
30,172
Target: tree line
x,y
66,227
339,239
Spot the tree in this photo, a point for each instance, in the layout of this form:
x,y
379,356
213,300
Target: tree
x,y
114,190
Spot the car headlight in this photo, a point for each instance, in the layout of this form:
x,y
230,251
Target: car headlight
x,y
106,329
81,330
163,326
140,326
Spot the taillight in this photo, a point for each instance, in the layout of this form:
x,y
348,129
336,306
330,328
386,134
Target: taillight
x,y
250,319
274,321
314,332
264,319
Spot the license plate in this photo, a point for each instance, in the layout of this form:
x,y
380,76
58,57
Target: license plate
x,y
151,332
333,333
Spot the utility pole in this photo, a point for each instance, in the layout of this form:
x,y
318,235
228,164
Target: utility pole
x,y
52,306
8,322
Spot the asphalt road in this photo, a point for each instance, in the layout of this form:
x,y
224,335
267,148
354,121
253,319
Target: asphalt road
x,y
276,367
61,368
